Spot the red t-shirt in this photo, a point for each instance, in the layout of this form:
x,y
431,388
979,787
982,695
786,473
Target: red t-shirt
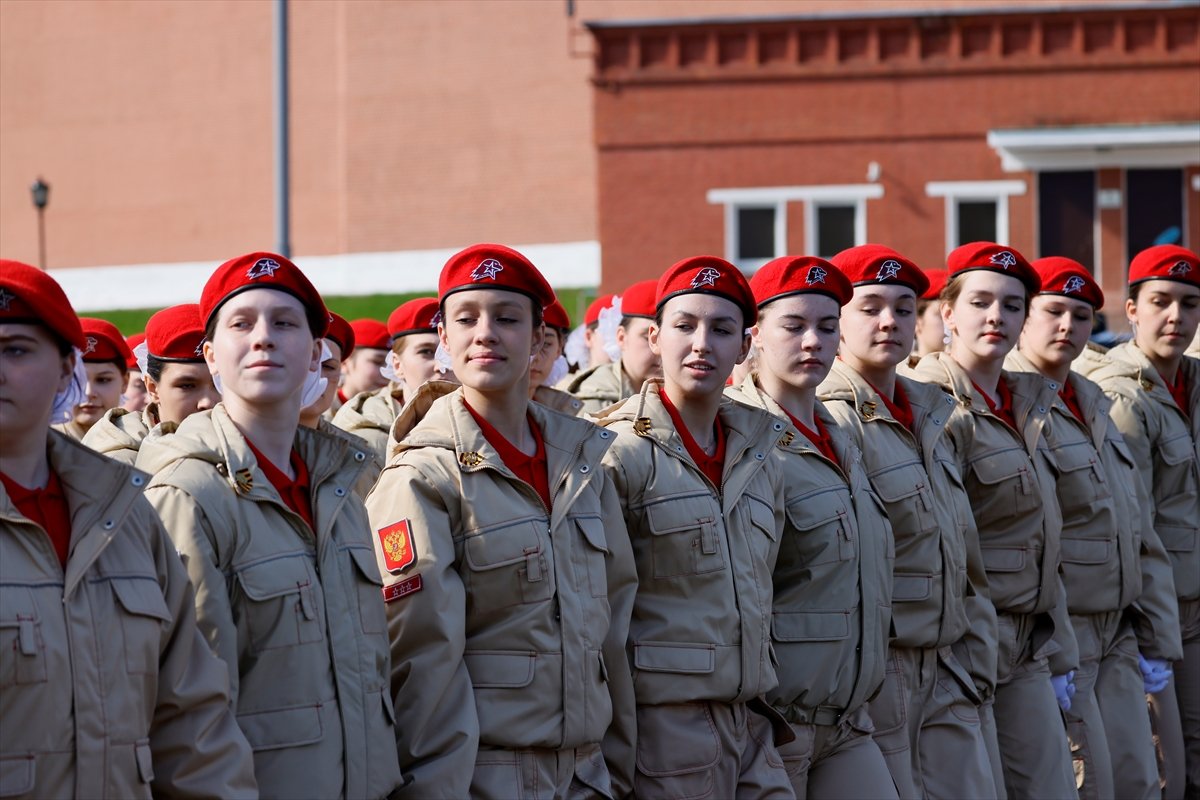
x,y
899,408
341,396
47,507
294,493
1003,409
712,466
819,438
533,469
1179,391
1067,393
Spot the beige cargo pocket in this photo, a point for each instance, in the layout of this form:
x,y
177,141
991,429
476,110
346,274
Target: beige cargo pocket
x,y
22,648
1009,484
499,669
282,727
509,564
1081,479
810,626
282,607
16,775
907,498
144,622
370,590
1086,551
677,748
686,536
595,548
908,588
824,534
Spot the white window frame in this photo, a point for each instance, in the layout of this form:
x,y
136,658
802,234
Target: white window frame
x,y
955,192
733,233
855,194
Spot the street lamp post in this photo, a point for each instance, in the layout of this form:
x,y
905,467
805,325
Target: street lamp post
x,y
41,196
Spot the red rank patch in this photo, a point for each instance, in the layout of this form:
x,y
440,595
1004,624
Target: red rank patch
x,y
402,589
397,542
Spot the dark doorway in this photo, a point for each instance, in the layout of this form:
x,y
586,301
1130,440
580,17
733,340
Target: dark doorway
x,y
1153,209
1067,215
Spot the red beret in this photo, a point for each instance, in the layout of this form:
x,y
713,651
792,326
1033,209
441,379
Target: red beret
x,y
103,342
133,341
874,263
1168,262
555,316
416,316
176,334
371,333
640,299
1069,278
341,333
592,315
994,258
937,282
263,271
706,275
789,275
494,266
28,295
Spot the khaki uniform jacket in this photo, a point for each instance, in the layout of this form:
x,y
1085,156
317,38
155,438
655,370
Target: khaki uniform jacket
x,y
370,415
560,401
515,637
1165,445
297,617
705,554
1010,479
367,478
119,433
72,429
1111,556
940,592
833,578
107,688
601,386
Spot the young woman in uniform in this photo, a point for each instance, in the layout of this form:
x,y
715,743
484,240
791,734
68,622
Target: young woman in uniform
x,y
278,546
702,490
997,434
1117,575
413,331
135,384
1155,393
930,334
362,371
926,716
108,687
177,381
105,355
833,577
508,589
548,366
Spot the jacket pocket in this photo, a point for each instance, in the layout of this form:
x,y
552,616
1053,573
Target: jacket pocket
x,y
677,748
911,588
283,606
824,533
1086,551
1175,450
22,646
810,626
1178,538
594,550
17,774
499,669
907,498
1003,559
695,659
1081,479
509,564
686,536
1009,484
282,727
370,590
144,623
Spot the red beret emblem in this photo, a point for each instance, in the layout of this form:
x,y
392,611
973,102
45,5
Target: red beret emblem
x,y
1004,259
91,345
436,319
815,275
705,277
487,270
1073,284
263,268
1180,268
6,299
888,269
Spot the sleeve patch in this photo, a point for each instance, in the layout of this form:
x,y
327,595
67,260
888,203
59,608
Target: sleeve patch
x,y
397,543
402,589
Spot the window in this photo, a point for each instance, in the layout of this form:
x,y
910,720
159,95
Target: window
x,y
976,211
835,217
1067,215
1154,209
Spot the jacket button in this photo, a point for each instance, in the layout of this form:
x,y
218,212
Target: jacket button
x,y
137,480
604,434
584,469
109,524
360,456
340,492
1041,409
678,448
778,426
936,421
759,456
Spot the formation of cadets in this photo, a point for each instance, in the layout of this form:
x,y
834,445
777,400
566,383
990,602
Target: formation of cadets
x,y
756,544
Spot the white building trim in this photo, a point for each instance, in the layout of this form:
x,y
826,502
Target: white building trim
x,y
766,195
956,191
1095,147
565,264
